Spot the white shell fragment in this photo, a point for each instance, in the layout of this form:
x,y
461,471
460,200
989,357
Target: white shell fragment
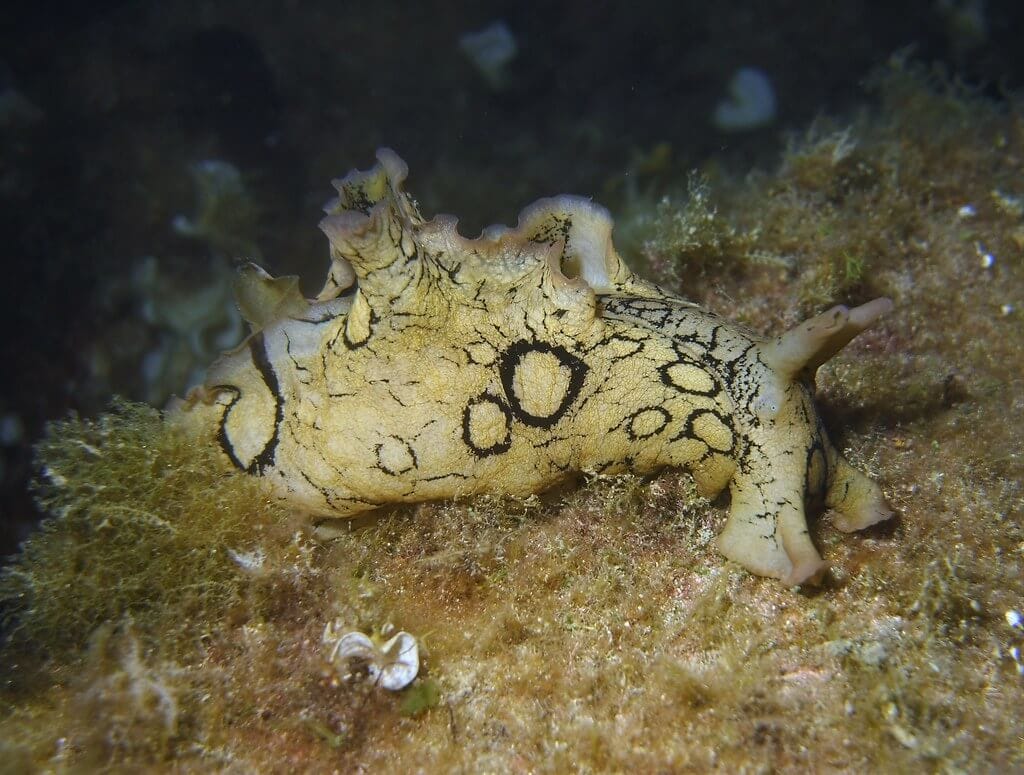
x,y
393,665
401,662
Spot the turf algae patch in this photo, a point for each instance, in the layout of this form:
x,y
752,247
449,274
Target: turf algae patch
x,y
144,523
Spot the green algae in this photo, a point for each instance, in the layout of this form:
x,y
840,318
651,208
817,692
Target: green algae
x,y
421,697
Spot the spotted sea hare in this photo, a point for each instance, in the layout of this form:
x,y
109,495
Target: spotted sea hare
x,y
433,366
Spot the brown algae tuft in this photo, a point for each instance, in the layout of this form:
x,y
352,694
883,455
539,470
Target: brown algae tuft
x,y
145,523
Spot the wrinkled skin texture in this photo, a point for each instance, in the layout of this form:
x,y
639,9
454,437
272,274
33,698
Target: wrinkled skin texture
x,y
432,366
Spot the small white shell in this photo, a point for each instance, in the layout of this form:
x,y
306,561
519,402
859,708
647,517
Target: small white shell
x,y
393,665
400,663
354,645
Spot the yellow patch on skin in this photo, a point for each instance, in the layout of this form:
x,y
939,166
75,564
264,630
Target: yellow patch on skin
x,y
713,473
540,383
481,353
486,425
713,432
688,377
692,449
431,365
357,327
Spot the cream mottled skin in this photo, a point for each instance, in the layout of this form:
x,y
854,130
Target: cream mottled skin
x,y
432,366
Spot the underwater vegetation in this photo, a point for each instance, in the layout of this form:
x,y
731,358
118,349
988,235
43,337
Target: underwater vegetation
x,y
170,615
143,525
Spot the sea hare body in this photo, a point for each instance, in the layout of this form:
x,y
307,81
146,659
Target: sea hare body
x,y
431,366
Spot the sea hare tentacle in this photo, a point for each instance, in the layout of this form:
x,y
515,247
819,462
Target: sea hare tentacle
x,y
815,341
432,366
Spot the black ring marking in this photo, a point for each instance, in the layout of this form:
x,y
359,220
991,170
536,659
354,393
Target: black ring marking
x,y
631,431
606,344
688,431
666,378
396,472
467,432
511,358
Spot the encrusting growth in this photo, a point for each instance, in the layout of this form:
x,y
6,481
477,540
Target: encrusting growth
x,y
433,366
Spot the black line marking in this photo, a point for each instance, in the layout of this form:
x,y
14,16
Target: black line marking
x,y
328,316
354,197
222,431
817,486
264,459
392,471
666,379
688,431
351,345
258,348
637,346
334,340
443,476
295,363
